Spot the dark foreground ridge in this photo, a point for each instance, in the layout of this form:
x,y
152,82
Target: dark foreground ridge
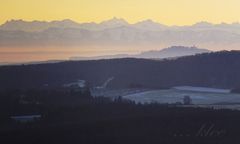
x,y
68,116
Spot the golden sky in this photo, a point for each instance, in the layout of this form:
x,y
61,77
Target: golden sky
x,y
170,12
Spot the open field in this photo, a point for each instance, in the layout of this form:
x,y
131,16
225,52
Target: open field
x,y
216,99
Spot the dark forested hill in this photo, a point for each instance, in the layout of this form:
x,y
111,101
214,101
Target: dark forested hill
x,y
219,69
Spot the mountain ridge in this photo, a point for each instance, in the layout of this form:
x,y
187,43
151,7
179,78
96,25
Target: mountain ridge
x,y
111,23
170,52
118,33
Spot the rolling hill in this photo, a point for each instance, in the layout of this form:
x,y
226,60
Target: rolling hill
x,y
217,70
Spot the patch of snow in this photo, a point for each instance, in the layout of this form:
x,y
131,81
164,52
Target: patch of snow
x,y
79,83
202,89
26,118
105,83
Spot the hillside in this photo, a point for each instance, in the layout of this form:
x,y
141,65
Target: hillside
x,y
219,70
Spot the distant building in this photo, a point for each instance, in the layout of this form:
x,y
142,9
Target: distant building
x,y
187,100
26,118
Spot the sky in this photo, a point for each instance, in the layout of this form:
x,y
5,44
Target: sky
x,y
170,12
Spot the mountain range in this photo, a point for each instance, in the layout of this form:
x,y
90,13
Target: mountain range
x,y
148,25
119,32
171,52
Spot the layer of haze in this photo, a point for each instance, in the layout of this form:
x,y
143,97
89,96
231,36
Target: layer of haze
x,y
31,54
170,12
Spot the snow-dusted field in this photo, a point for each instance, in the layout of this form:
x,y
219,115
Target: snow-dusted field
x,y
201,97
115,93
202,89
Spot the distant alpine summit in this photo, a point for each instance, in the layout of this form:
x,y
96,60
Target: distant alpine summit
x,y
118,32
172,52
37,26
